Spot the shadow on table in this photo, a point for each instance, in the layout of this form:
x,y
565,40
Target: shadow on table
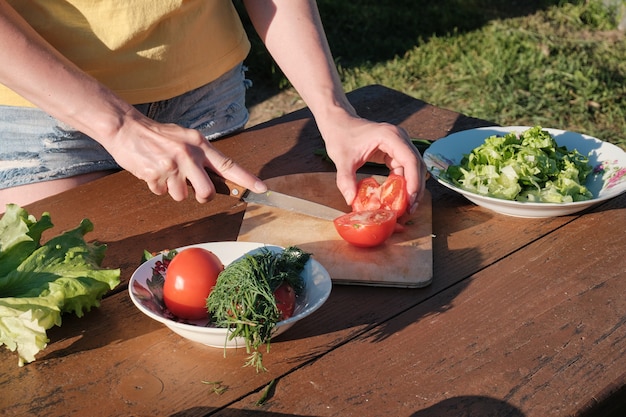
x,y
465,406
373,314
470,406
386,311
205,411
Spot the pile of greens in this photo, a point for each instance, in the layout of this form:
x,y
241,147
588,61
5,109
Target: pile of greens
x,y
38,282
527,166
243,297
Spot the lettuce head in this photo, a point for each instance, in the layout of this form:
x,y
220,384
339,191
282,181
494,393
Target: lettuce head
x,y
40,282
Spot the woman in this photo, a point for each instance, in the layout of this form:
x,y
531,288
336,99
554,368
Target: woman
x,y
89,86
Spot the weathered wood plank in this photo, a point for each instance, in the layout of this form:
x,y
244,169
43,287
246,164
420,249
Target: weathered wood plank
x,y
541,332
368,350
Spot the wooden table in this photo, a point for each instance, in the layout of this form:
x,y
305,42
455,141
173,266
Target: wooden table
x,y
525,317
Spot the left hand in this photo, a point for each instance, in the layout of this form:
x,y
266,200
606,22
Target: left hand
x,y
293,34
352,141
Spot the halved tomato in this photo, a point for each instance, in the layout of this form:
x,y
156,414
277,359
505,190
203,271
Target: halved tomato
x,y
367,228
393,195
367,195
390,195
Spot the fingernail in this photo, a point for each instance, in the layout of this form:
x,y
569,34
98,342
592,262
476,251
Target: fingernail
x,y
350,198
260,187
413,203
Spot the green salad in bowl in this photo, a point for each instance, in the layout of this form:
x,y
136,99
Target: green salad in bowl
x,y
529,166
528,171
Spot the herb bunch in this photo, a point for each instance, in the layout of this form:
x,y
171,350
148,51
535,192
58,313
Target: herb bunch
x,y
243,298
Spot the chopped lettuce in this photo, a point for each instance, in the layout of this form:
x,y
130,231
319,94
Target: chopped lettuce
x,y
38,283
527,166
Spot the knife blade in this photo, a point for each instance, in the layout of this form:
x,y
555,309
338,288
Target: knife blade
x,y
275,199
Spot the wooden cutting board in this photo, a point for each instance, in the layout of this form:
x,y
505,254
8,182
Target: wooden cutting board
x,y
405,260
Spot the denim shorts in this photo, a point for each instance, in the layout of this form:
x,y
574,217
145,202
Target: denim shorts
x,y
36,147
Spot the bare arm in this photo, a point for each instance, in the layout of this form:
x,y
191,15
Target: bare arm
x,y
293,33
34,69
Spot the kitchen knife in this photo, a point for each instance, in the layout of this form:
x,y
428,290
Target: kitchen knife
x,y
275,199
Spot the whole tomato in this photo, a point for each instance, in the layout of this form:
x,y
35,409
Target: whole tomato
x,y
190,277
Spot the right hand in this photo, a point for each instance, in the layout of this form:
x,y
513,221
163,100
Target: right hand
x,y
168,156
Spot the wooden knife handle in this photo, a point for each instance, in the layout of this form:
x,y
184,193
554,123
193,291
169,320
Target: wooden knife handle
x,y
226,187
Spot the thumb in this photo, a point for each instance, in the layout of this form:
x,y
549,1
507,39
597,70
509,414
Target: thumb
x,y
346,183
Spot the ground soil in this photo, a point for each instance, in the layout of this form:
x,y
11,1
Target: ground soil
x,y
265,105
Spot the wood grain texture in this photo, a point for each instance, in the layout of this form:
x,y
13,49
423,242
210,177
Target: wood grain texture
x,y
538,333
405,260
524,317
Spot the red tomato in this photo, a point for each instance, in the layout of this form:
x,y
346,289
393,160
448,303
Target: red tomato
x,y
190,277
285,300
366,228
367,195
391,195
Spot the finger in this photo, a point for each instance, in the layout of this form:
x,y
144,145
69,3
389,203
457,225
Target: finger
x,y
229,169
177,188
416,186
397,171
156,176
157,187
347,184
406,160
203,188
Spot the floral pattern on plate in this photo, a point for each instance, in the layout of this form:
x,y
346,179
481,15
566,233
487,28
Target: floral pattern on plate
x,y
612,173
608,179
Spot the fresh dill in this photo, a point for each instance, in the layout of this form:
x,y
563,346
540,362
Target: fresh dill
x,y
243,298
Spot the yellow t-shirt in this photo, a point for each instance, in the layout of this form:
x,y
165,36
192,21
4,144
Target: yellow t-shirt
x,y
144,50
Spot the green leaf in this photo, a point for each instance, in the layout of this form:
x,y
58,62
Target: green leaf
x,y
19,236
525,167
62,276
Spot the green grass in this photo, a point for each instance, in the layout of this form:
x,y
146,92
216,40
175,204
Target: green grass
x,y
552,63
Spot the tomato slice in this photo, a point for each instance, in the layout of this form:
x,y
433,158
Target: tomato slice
x,y
391,195
367,196
366,228
285,297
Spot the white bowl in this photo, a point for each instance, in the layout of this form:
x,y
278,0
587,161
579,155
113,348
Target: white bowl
x,y
316,291
607,181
